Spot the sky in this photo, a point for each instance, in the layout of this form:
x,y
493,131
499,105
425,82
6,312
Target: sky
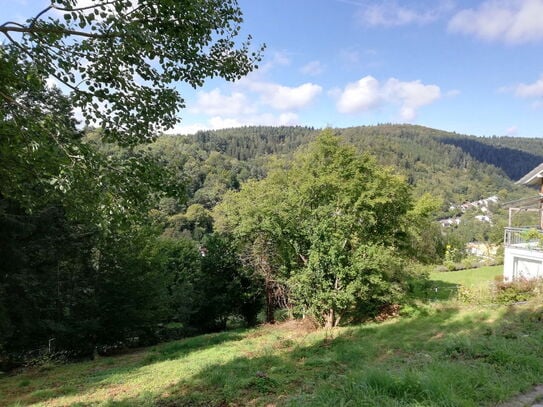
x,y
473,67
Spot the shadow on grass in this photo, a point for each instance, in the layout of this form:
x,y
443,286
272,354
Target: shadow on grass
x,y
178,349
97,373
446,357
434,290
449,358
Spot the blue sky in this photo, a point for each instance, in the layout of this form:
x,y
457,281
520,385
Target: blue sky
x,y
474,67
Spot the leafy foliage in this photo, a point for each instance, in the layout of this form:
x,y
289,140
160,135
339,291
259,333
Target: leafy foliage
x,y
121,58
332,223
77,213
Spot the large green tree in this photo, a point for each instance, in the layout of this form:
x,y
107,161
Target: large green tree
x,y
258,218
331,225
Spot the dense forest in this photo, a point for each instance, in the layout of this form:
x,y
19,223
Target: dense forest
x,y
114,235
452,167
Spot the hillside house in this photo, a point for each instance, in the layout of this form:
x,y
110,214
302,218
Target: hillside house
x,y
523,246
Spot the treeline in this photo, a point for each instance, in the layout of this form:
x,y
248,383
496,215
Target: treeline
x,y
447,165
250,142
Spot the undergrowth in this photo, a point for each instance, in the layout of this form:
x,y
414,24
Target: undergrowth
x,y
435,354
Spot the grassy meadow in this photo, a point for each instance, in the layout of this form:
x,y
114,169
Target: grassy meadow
x,y
441,353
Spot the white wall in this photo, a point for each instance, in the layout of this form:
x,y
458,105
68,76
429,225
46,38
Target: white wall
x,y
522,263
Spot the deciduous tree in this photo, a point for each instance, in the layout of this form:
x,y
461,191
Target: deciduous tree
x,y
122,58
335,222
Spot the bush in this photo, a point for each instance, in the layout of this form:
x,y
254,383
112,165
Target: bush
x,y
517,291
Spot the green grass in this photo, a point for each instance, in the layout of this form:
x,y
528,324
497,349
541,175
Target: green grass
x,y
479,277
446,355
445,285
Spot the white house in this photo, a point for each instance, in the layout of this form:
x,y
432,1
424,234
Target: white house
x,y
523,254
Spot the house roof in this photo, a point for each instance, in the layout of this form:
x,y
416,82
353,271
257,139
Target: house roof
x,y
533,177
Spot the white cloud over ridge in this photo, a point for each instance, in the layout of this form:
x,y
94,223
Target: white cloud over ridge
x,y
251,101
511,21
362,95
214,103
368,94
264,119
219,122
282,97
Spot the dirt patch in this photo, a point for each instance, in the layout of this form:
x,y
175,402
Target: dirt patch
x,y
529,399
437,336
302,326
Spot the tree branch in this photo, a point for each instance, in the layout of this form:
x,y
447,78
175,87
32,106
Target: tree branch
x,y
11,22
52,30
107,3
41,13
9,99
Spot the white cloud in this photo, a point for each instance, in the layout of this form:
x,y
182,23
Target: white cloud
x,y
511,131
532,90
187,128
312,68
350,56
249,104
391,14
368,94
214,103
511,21
362,95
355,59
284,97
288,118
453,93
219,122
271,61
280,58
411,95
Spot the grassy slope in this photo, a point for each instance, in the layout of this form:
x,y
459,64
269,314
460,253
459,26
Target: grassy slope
x,y
443,355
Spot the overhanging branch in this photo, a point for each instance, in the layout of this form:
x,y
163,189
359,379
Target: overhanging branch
x,y
51,30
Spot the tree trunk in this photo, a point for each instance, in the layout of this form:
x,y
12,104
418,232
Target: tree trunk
x,y
329,319
270,308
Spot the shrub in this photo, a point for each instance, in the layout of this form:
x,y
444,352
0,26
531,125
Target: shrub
x,y
516,291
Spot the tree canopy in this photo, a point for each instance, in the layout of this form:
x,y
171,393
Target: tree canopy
x,y
122,58
329,227
82,262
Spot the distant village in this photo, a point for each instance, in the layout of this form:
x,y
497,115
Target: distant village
x,y
482,205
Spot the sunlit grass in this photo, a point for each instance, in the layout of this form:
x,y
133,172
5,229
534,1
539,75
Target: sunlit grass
x,y
446,355
445,285
479,277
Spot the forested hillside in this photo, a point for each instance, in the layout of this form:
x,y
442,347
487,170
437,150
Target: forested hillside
x,y
455,168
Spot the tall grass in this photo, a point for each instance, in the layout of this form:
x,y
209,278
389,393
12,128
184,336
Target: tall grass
x,y
447,354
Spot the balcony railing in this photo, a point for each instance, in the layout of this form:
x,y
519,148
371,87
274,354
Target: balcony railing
x,y
525,238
